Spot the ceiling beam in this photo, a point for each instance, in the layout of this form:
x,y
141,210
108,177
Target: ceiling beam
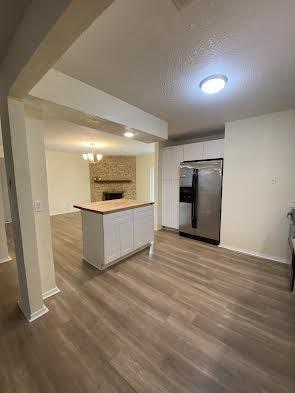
x,y
97,108
46,31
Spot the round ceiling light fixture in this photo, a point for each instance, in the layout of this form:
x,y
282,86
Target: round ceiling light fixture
x,y
129,134
213,84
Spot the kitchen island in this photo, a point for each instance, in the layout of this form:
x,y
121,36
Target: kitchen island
x,y
113,230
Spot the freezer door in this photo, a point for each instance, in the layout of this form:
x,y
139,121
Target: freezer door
x,y
207,201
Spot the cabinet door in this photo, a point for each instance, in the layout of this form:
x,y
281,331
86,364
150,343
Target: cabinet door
x,y
171,159
126,234
166,203
143,227
213,149
176,158
193,151
166,164
175,204
112,248
170,203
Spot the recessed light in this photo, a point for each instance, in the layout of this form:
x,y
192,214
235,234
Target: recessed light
x,y
129,134
213,84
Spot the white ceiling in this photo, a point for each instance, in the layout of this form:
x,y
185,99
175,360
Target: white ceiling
x,y
152,55
69,137
10,15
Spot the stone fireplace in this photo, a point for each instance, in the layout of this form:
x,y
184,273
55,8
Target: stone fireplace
x,y
113,175
112,195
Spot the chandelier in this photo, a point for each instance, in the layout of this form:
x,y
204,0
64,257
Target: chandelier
x,y
92,157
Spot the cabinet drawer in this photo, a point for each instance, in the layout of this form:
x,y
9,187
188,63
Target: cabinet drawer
x,y
146,210
117,215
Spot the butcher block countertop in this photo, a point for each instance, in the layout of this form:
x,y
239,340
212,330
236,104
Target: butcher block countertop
x,y
112,206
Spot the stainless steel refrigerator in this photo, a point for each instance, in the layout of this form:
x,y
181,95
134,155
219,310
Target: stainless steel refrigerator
x,y
200,199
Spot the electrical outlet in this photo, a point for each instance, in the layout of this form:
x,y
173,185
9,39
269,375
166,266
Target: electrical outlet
x,y
274,180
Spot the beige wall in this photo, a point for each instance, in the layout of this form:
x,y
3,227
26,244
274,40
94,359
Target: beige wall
x,y
112,168
144,164
258,152
3,240
37,163
5,196
68,181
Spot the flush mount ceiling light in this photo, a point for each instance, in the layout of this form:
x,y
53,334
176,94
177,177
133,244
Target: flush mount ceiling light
x,y
129,134
213,84
92,157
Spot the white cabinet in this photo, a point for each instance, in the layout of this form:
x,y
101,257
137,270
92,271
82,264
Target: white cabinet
x,y
143,226
166,161
118,235
166,203
213,149
107,238
170,203
193,151
111,240
171,158
126,234
203,150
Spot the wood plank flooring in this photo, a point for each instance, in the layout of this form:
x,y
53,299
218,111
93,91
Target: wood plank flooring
x,y
185,317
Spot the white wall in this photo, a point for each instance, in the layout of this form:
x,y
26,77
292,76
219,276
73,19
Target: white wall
x,y
257,150
5,196
37,164
3,240
144,164
68,181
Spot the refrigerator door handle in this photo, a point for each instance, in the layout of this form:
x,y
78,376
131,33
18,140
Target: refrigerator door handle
x,y
194,198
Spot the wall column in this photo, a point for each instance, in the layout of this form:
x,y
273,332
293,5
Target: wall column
x,y
38,174
158,187
4,257
21,200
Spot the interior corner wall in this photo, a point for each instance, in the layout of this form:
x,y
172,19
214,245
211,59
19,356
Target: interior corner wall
x,y
144,165
68,181
258,184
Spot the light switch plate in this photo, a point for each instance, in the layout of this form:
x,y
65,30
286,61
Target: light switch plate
x,y
274,180
38,206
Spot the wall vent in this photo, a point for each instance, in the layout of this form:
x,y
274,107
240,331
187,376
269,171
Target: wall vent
x,y
180,4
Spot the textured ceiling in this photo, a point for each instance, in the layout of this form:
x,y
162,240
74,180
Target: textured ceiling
x,y
152,55
68,137
10,15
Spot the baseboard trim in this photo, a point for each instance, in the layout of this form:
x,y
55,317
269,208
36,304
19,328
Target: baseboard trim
x,y
254,254
50,293
35,315
5,259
